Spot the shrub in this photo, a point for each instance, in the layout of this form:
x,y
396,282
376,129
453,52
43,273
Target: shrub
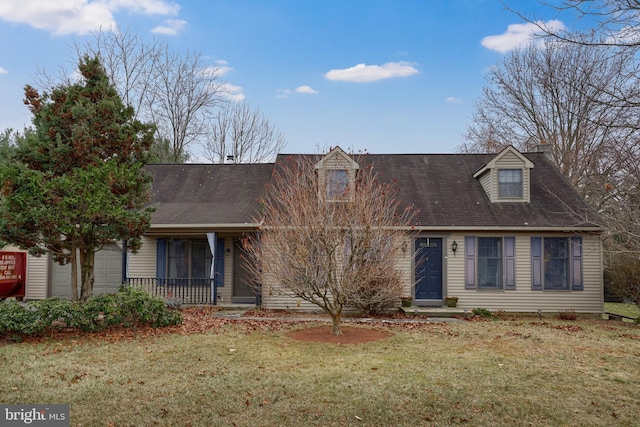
x,y
483,312
129,307
376,297
56,312
567,315
18,317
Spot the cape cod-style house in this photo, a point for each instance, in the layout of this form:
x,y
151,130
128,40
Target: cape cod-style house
x,y
501,231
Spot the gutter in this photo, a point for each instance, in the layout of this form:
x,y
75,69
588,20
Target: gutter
x,y
186,229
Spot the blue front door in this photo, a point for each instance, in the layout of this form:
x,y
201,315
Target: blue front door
x,y
428,268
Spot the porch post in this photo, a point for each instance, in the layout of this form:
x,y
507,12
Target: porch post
x,y
212,238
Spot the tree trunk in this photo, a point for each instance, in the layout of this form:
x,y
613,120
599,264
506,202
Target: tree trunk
x,y
335,323
87,258
74,274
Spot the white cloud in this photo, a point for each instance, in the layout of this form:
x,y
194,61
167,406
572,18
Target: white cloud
x,y
283,93
227,90
146,7
363,73
232,92
453,100
518,35
3,71
173,27
306,89
62,17
626,35
221,68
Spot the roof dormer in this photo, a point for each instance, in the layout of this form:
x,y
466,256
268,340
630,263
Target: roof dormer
x,y
336,175
507,177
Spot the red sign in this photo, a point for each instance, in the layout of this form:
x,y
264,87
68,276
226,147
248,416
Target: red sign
x,y
13,274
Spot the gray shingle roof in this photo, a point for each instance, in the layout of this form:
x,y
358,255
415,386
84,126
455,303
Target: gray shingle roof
x,y
207,194
443,188
440,185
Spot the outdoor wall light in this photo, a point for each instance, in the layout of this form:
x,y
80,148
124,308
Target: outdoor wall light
x,y
227,251
405,246
454,247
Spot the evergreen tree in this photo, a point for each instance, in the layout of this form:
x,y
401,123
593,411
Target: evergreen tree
x,y
76,182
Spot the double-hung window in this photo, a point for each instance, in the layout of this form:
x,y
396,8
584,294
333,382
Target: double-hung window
x,y
556,263
509,183
490,263
337,184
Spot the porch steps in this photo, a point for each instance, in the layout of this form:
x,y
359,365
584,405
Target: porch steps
x,y
434,311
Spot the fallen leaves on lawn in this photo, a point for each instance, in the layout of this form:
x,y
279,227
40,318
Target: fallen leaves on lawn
x,y
567,328
198,320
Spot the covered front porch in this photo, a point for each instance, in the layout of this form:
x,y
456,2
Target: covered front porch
x,y
190,291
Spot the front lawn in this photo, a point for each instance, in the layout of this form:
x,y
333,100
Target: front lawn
x,y
499,373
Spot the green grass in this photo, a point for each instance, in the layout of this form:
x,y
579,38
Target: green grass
x,y
501,373
630,310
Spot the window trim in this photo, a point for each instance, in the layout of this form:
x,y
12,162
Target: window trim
x,y
575,261
472,264
332,194
483,262
502,196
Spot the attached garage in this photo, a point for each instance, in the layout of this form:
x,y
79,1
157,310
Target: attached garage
x,y
108,274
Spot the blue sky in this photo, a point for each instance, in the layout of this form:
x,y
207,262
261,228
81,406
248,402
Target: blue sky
x,y
385,76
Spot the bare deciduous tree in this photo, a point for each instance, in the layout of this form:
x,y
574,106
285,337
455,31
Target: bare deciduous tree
x,y
554,94
176,92
243,134
331,253
610,25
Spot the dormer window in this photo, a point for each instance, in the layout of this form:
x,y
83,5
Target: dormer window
x,y
337,183
336,176
509,183
506,178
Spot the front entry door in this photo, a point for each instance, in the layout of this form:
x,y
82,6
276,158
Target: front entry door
x,y
242,289
428,268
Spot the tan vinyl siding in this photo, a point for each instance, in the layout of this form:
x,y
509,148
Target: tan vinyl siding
x,y
286,301
224,292
523,299
37,273
143,263
405,265
337,161
283,300
485,181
